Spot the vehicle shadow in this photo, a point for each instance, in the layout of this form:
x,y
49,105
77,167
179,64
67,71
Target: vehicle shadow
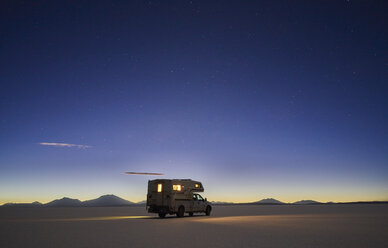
x,y
170,217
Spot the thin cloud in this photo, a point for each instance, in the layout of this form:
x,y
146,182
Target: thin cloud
x,y
64,145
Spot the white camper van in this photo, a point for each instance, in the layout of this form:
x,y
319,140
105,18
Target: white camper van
x,y
176,196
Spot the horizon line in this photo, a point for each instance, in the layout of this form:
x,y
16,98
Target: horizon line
x,y
215,201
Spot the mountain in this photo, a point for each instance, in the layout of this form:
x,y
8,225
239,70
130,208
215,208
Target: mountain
x,y
221,203
64,202
102,201
107,200
33,204
268,201
306,202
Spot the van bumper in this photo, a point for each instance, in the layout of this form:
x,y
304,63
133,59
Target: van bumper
x,y
158,209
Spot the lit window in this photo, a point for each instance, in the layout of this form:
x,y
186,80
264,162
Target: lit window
x,y
177,187
197,185
159,187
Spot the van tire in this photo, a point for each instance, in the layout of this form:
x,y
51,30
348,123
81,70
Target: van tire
x,y
181,211
191,214
162,215
208,210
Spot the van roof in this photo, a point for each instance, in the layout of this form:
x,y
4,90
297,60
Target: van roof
x,y
173,180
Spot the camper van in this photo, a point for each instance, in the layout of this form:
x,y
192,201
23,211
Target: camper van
x,y
176,196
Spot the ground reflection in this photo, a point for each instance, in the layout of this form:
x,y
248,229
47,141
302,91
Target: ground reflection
x,y
100,218
253,219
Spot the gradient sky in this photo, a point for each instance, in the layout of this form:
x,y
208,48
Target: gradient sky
x,y
255,99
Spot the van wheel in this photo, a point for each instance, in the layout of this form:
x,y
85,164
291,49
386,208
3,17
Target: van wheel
x,y
181,211
208,210
162,215
191,214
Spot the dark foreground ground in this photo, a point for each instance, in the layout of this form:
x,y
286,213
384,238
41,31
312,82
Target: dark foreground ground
x,y
364,225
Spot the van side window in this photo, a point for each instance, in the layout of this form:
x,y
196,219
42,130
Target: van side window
x,y
195,197
160,187
199,197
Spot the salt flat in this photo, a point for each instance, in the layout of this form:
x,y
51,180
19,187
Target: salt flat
x,y
358,225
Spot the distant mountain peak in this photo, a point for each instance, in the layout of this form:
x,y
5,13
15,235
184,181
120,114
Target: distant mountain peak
x,y
269,201
221,203
107,200
306,202
67,198
64,202
109,196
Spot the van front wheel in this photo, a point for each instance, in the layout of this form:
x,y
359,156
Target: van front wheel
x,y
162,215
208,210
181,211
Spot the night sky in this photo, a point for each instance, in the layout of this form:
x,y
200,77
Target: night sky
x,y
256,99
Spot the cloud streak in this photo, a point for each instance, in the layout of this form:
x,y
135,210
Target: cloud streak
x,y
144,173
64,145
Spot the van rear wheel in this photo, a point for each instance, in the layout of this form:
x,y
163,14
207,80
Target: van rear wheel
x,y
191,214
162,215
181,211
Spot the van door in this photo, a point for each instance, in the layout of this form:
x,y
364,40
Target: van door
x,y
201,203
159,194
195,203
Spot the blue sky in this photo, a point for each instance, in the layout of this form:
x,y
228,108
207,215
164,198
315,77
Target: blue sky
x,y
253,99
